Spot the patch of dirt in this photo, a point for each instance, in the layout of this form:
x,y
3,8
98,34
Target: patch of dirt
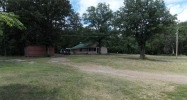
x,y
31,62
13,60
59,60
181,79
17,60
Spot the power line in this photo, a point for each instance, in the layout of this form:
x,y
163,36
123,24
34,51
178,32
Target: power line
x,y
83,36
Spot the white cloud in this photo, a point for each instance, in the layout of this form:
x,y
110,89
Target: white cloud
x,y
173,1
115,4
180,10
84,4
183,16
178,7
175,9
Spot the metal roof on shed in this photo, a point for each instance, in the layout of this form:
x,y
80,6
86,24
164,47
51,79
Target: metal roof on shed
x,y
82,45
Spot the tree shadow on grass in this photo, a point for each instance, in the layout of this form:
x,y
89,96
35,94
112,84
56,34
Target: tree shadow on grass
x,y
158,60
148,59
26,92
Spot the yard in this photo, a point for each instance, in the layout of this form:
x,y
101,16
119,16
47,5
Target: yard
x,y
93,77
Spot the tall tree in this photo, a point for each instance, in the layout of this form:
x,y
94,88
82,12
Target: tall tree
x,y
8,19
72,31
143,19
99,21
118,40
182,26
43,18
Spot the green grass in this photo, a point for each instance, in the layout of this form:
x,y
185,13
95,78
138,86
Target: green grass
x,y
38,79
161,64
179,94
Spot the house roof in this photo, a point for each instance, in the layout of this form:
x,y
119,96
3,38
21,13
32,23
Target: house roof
x,y
82,45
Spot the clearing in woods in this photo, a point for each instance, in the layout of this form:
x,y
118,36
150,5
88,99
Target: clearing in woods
x,y
95,68
93,77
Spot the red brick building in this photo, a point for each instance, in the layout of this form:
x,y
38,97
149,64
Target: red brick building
x,y
38,51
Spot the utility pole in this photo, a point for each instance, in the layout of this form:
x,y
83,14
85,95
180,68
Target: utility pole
x,y
177,41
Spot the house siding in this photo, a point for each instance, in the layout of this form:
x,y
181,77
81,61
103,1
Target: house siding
x,y
104,50
92,49
80,51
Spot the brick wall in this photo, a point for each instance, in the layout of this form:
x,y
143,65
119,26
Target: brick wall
x,y
37,51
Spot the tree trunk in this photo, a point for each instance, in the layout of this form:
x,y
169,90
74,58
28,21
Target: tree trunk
x,y
5,50
142,51
99,46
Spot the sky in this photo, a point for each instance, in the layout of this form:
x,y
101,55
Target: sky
x,y
178,7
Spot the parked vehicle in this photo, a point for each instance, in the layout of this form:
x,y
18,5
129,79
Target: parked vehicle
x,y
65,51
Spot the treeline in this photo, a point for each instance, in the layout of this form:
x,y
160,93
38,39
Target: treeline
x,y
46,22
144,26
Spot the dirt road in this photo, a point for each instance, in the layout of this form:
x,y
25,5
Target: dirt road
x,y
181,79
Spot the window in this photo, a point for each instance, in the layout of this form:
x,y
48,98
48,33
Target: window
x,y
92,49
80,50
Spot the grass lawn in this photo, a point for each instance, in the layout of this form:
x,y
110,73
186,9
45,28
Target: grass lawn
x,y
24,78
161,64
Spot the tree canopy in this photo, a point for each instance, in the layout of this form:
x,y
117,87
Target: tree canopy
x,y
144,26
11,20
99,21
42,17
143,19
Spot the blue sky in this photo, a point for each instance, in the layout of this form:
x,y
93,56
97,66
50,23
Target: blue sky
x,y
178,7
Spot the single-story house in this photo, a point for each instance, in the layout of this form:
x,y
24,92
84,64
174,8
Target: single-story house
x,y
88,48
38,51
